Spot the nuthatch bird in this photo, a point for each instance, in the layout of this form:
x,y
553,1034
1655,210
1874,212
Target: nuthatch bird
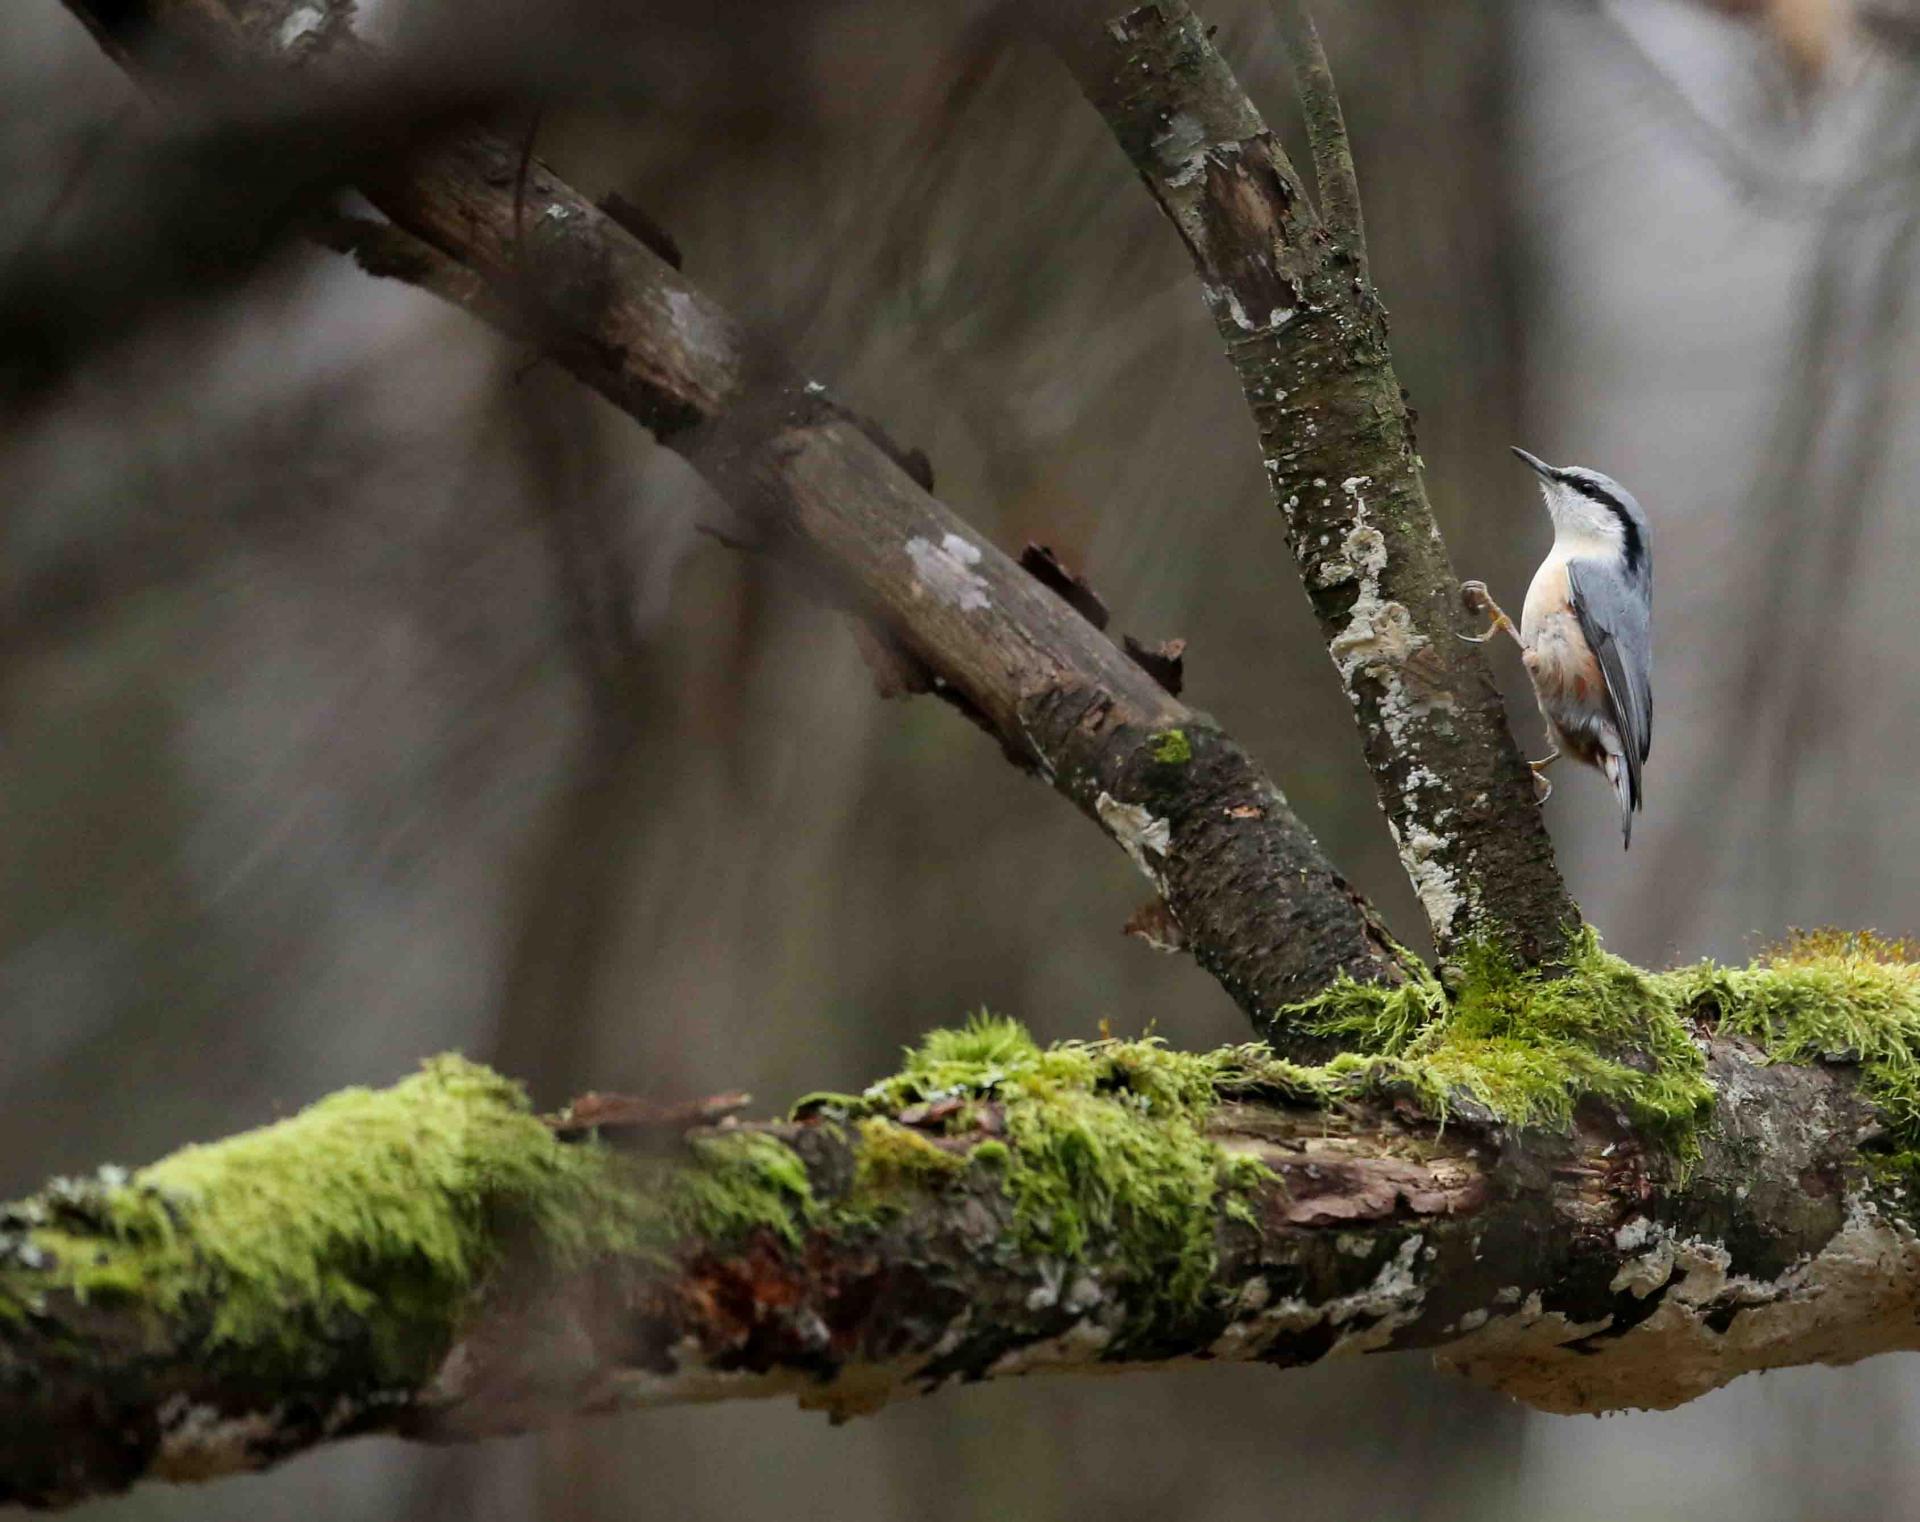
x,y
1586,632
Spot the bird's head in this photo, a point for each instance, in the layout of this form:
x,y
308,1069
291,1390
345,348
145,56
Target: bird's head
x,y
1593,510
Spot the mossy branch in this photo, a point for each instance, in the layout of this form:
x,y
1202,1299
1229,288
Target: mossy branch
x,y
1609,1188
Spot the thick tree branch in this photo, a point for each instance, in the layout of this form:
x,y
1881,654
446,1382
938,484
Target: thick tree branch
x,y
434,1261
1308,339
1260,906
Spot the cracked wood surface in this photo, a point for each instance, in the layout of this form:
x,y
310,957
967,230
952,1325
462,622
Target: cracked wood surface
x,y
1307,337
1260,906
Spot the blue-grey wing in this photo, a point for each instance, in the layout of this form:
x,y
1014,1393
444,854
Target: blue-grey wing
x,y
1616,618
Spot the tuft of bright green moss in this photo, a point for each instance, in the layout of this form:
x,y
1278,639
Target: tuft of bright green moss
x,y
1528,1048
370,1216
1171,747
375,1217
1525,1047
1104,1157
1826,996
892,1158
726,1186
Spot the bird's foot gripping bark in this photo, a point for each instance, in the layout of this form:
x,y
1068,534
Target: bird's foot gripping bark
x,y
1542,788
1479,600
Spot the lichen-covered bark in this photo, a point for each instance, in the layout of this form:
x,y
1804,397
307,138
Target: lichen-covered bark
x,y
435,1262
1308,338
1257,901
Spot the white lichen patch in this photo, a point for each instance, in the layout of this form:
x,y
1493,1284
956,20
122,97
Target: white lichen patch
x,y
1859,1295
303,23
1377,643
199,1442
945,572
1333,571
1378,638
1079,1345
1642,1275
1393,1300
1379,635
1180,148
1434,882
1227,297
1143,836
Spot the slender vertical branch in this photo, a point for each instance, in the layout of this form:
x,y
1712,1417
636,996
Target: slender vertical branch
x,y
1333,171
1308,339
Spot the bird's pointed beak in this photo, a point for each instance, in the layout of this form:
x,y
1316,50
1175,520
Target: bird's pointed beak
x,y
1534,462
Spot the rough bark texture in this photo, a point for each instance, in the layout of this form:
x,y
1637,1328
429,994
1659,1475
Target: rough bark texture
x,y
1260,906
881,1247
1308,338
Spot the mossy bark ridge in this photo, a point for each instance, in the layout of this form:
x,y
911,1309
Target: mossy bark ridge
x,y
1504,1177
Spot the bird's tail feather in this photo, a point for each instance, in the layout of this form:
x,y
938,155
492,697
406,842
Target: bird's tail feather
x,y
1620,775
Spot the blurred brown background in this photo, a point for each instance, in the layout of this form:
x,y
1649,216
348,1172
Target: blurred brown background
x,y
368,690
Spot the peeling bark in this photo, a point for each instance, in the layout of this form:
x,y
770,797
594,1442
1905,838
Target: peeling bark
x,y
1307,336
1261,907
1583,1272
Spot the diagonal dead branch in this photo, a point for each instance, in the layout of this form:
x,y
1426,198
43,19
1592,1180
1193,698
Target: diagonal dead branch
x,y
1261,907
1307,337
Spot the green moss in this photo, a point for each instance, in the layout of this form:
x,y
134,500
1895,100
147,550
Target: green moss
x,y
1172,748
371,1216
1528,1049
374,1218
1525,1048
728,1185
1827,996
1104,1156
893,1158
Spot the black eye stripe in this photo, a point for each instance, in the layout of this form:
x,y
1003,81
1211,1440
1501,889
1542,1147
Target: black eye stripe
x,y
1632,549
1594,490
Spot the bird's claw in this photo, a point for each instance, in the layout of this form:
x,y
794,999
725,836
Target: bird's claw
x,y
1479,600
1542,788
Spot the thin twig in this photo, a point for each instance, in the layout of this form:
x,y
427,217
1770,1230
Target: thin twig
x,y
1333,170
